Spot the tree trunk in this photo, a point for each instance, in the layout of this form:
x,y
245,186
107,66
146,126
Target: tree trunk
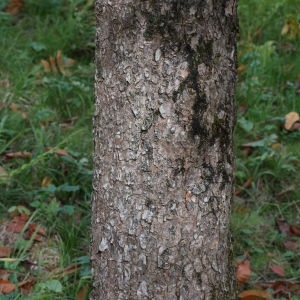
x,y
164,117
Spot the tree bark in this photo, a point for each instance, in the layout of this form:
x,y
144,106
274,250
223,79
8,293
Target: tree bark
x,y
163,123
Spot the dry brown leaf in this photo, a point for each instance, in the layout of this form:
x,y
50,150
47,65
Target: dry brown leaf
x,y
57,64
25,286
4,274
61,152
281,287
241,68
46,65
255,295
5,251
46,181
291,246
17,223
291,121
295,230
82,293
283,226
20,154
6,286
277,270
243,271
14,6
38,233
245,186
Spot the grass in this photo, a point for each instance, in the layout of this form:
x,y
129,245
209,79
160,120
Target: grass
x,y
266,92
48,115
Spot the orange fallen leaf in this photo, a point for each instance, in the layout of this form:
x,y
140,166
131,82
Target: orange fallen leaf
x,y
6,286
277,270
57,64
255,295
82,293
5,251
17,223
243,271
14,6
241,68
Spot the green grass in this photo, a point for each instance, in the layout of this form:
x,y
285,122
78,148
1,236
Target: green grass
x,y
54,113
267,89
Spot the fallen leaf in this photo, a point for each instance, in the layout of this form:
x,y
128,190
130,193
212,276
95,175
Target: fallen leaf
x,y
6,286
292,121
277,270
4,274
17,223
5,251
287,229
61,152
243,271
14,6
283,226
241,68
20,154
245,186
46,65
38,233
25,286
291,246
82,293
281,287
291,29
46,181
295,288
295,230
57,64
254,295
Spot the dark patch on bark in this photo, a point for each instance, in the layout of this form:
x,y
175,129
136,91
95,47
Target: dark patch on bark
x,y
179,167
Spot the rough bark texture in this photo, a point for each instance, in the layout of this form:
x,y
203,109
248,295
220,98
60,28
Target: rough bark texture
x,y
165,75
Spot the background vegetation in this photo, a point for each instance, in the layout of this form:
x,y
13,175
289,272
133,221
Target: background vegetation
x,y
46,104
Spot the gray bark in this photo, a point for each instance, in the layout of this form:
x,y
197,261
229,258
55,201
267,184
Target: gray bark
x,y
164,116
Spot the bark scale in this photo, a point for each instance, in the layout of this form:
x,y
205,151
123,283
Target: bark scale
x,y
165,75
